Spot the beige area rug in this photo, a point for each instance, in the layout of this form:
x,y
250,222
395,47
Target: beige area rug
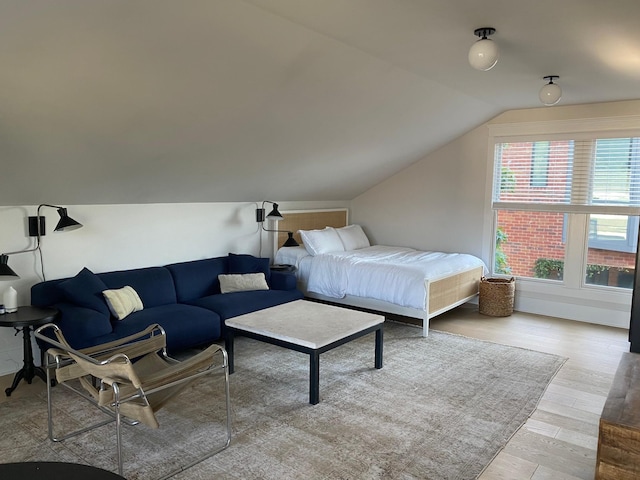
x,y
441,408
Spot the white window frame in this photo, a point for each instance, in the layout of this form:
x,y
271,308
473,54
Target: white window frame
x,y
571,298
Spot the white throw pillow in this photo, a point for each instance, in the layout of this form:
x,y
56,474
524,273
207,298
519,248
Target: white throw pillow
x,y
353,237
321,241
242,282
122,301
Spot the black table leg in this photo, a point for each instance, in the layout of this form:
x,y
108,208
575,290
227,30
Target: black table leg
x,y
379,336
314,377
16,380
28,370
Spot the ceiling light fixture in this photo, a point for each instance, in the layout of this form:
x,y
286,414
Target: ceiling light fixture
x,y
551,93
483,55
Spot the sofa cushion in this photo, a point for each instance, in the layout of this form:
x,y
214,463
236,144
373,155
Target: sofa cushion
x,y
242,282
238,303
81,325
123,301
197,278
185,325
47,293
85,290
154,284
244,263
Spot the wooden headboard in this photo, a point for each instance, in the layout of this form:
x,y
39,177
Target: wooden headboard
x,y
310,220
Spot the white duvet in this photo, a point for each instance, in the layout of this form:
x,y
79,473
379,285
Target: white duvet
x,y
393,274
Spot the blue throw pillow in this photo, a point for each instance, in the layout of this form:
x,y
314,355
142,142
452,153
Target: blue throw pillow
x,y
243,263
85,289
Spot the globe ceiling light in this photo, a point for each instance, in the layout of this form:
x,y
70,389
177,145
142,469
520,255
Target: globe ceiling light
x,y
483,55
551,93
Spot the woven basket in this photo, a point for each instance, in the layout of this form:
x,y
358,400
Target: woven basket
x,y
496,296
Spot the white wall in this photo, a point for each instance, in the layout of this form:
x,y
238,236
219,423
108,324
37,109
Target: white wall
x,y
117,237
442,202
436,204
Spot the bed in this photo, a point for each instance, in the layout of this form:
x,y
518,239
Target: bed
x,y
393,280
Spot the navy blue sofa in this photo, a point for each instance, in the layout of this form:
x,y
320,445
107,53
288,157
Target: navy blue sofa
x,y
184,298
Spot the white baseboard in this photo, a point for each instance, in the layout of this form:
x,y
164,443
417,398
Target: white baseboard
x,y
612,309
583,310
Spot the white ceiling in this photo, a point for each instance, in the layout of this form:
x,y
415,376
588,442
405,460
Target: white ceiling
x,y
125,101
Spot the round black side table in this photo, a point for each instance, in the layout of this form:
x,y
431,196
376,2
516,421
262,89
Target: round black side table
x,y
54,471
26,318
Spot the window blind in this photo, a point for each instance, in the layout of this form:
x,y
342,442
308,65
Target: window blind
x,y
593,175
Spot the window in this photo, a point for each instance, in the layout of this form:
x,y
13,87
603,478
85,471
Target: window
x,y
521,163
613,232
548,192
531,244
611,253
616,173
540,164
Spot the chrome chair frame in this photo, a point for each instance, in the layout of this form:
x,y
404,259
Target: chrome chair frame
x,y
150,341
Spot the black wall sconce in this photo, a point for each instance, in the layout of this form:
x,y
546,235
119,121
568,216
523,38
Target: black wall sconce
x,y
274,215
37,229
65,224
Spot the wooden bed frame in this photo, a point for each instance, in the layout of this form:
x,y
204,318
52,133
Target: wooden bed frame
x,y
443,293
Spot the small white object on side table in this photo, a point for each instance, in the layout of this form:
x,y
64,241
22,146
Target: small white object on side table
x,y
308,327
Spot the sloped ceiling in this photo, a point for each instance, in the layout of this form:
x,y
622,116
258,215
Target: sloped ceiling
x,y
121,101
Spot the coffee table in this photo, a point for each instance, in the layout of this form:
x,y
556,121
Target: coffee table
x,y
308,327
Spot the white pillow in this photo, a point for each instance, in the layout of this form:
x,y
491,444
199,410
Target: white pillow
x,y
321,241
353,237
291,255
242,282
122,301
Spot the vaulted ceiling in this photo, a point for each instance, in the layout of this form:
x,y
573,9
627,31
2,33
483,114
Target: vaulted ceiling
x,y
121,101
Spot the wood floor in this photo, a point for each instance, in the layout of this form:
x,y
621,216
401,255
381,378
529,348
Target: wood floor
x,y
559,440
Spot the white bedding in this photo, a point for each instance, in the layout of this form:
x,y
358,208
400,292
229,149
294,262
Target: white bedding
x,y
392,274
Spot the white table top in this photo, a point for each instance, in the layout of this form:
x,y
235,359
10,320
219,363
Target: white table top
x,y
305,323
